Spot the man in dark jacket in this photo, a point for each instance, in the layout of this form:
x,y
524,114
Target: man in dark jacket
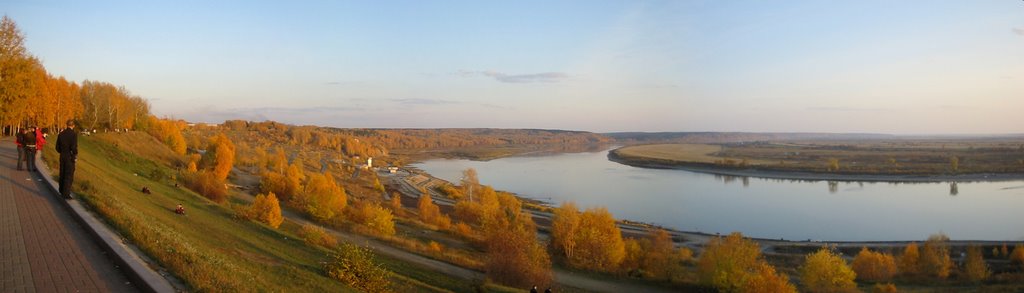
x,y
30,143
19,139
67,146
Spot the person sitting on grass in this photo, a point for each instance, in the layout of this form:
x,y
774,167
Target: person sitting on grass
x,y
179,210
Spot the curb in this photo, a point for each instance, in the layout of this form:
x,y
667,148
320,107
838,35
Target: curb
x,y
138,272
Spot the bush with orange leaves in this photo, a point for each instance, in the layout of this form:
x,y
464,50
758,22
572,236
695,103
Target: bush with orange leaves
x,y
590,240
825,271
266,209
735,264
874,266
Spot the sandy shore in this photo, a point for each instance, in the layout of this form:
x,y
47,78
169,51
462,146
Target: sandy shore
x,y
807,176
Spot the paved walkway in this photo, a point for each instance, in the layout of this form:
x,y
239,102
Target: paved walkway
x,y
42,248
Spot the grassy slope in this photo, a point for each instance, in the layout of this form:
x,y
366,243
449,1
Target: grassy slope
x,y
238,255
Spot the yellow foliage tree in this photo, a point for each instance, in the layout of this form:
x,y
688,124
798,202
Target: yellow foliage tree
x,y
266,209
430,213
766,280
564,226
599,244
728,263
322,198
514,257
975,268
824,271
910,260
660,261
1017,256
935,260
377,219
874,266
222,154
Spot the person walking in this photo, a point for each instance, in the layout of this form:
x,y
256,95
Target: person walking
x,y
33,142
19,139
67,147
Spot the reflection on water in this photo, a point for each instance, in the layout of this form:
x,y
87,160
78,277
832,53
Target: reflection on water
x,y
770,208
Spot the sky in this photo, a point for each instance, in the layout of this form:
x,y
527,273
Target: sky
x,y
900,67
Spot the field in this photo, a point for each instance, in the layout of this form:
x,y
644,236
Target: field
x,y
207,250
917,157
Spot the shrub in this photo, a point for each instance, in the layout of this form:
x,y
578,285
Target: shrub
x,y
266,209
314,235
874,266
354,266
207,185
975,268
935,260
1017,256
824,271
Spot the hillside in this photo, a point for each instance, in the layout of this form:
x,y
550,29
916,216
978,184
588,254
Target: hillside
x,y
727,137
208,249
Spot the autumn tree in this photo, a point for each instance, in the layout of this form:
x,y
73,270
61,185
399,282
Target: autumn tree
x,y
1017,256
564,225
954,163
430,213
766,280
323,199
728,263
396,203
376,219
514,257
168,132
220,157
590,240
935,260
910,260
469,182
874,266
833,165
354,266
266,209
660,260
824,271
975,268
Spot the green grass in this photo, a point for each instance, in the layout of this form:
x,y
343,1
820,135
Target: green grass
x,y
207,249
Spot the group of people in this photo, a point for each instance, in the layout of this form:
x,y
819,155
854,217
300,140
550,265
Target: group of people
x,y
30,141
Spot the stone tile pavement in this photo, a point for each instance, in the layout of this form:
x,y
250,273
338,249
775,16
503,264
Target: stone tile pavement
x,y
43,249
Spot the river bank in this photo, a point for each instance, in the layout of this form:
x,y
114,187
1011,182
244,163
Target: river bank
x,y
417,179
810,176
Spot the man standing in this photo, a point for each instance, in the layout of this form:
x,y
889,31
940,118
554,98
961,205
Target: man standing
x,y
67,146
31,143
19,139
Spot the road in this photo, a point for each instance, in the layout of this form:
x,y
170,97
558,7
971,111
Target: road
x,y
42,248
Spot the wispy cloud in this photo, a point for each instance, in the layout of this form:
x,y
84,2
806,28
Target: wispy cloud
x,y
543,77
1018,31
846,109
340,83
418,101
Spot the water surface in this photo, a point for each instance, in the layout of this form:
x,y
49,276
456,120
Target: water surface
x,y
768,208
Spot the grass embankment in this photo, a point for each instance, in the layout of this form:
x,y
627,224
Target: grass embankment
x,y
909,157
207,249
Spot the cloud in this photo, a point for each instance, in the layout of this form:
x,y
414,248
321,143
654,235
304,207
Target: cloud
x,y
543,77
417,101
1018,31
846,109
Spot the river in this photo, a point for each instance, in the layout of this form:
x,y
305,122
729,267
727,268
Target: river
x,y
764,208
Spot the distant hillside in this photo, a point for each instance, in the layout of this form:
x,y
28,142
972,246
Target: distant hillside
x,y
724,137
470,137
